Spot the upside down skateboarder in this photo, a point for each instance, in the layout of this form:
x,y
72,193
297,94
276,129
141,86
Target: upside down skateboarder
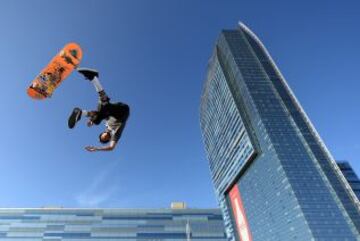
x,y
115,115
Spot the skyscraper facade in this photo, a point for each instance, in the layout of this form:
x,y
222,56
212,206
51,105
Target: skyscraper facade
x,y
273,176
350,176
60,224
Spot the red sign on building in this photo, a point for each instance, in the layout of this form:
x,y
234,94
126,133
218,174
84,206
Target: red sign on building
x,y
242,226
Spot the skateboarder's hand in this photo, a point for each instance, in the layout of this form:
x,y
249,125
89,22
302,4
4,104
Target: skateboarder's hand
x,y
90,123
91,148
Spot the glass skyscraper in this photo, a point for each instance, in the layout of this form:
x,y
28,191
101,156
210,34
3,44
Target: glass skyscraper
x,y
350,176
273,176
60,224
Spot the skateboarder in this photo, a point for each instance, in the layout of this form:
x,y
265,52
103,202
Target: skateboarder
x,y
115,115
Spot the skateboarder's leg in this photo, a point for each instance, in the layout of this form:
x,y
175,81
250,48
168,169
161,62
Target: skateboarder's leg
x,y
76,115
103,98
93,76
96,82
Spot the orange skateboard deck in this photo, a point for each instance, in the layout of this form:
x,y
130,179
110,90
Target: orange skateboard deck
x,y
55,72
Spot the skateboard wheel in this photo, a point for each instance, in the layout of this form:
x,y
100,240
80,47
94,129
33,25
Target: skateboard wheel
x,y
73,53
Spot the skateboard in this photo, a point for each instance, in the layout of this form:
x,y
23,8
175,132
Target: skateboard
x,y
58,69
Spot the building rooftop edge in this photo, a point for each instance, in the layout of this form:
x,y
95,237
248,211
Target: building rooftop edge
x,y
86,208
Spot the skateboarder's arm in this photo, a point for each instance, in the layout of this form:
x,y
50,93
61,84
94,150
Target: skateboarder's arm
x,y
96,118
115,136
109,147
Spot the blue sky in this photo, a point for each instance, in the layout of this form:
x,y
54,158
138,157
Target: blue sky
x,y
153,55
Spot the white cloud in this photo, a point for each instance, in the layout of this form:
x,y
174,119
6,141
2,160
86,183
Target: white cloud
x,y
98,192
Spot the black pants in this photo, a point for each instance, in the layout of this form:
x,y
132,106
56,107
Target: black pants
x,y
119,111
